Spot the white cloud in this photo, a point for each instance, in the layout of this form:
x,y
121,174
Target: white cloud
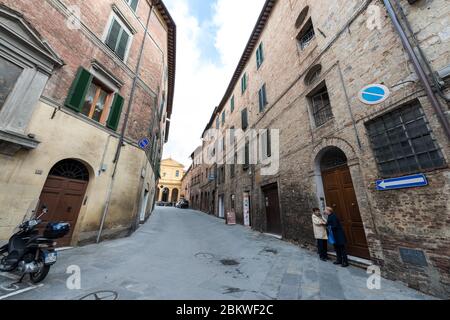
x,y
200,83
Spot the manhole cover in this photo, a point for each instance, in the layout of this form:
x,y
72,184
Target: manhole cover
x,y
101,295
229,262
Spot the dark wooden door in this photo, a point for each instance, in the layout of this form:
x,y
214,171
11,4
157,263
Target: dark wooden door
x,y
340,194
272,205
64,198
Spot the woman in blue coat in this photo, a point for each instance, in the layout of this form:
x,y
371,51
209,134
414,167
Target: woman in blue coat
x,y
339,237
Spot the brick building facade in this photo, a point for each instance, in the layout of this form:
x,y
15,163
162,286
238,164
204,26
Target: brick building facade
x,y
301,73
82,83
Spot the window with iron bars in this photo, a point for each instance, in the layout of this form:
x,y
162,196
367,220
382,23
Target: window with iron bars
x,y
321,107
306,36
403,142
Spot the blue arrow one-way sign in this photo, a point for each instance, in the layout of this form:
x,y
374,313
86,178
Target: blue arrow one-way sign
x,y
418,180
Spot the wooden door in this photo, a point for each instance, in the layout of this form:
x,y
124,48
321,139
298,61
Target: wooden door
x,y
272,205
64,198
340,194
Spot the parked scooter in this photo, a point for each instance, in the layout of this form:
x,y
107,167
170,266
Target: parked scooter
x,y
27,252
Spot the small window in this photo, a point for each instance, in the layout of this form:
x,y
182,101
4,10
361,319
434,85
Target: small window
x,y
133,4
232,104
9,75
259,55
262,98
321,106
118,38
177,173
223,118
307,35
88,96
96,104
244,119
266,144
246,165
313,74
217,123
403,142
244,82
301,17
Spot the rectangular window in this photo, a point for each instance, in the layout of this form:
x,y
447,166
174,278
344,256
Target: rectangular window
x,y
262,98
96,104
244,119
247,156
217,123
233,166
244,82
306,35
89,97
266,144
133,4
259,55
118,38
9,75
321,107
403,142
223,118
232,104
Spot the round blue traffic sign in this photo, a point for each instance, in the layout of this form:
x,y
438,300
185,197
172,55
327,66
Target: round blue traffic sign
x,y
144,143
374,94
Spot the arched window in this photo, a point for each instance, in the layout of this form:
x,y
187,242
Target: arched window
x,y
313,74
70,169
333,158
302,17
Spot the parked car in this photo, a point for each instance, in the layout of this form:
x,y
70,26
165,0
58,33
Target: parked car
x,y
183,204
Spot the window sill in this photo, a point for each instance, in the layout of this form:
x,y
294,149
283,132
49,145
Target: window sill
x,y
11,143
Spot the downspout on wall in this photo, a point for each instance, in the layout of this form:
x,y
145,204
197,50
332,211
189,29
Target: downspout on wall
x,y
124,127
419,69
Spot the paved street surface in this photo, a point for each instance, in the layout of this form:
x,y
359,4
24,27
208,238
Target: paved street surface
x,y
184,254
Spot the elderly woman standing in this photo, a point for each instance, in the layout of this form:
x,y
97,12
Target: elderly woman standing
x,y
320,233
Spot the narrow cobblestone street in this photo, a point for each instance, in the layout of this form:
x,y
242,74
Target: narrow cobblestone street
x,y
184,254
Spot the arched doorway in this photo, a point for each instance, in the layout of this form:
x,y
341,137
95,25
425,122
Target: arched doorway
x,y
340,195
175,195
63,194
165,195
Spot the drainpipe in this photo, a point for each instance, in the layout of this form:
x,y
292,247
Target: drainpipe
x,y
419,69
433,74
124,127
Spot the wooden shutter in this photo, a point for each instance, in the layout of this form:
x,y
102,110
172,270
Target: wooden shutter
x,y
78,90
116,111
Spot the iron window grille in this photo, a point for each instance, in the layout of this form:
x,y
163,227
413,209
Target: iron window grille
x,y
321,107
403,142
307,35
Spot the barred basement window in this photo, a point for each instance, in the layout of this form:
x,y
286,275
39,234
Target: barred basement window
x,y
321,106
403,142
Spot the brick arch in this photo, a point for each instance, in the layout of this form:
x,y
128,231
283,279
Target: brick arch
x,y
334,142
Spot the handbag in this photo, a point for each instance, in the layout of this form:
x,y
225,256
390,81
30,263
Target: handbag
x,y
331,239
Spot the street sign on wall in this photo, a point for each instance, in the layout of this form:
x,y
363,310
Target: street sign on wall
x,y
374,94
144,143
414,181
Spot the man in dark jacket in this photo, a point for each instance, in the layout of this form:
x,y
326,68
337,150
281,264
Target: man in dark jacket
x,y
339,237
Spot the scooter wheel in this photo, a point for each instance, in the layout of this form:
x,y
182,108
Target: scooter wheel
x,y
40,275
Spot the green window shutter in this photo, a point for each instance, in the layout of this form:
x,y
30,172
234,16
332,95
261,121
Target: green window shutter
x,y
78,90
116,111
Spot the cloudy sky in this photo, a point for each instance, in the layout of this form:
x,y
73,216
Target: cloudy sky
x,y
212,35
